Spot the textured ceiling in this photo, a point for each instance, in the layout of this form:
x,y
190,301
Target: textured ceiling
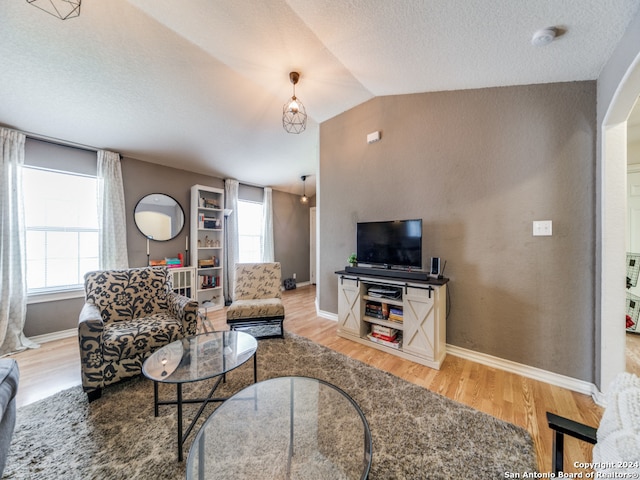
x,y
200,84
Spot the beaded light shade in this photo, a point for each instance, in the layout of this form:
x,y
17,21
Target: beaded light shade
x,y
62,9
294,115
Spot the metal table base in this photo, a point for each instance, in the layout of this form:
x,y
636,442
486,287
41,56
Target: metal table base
x,y
180,401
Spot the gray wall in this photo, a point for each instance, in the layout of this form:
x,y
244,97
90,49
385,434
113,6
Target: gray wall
x,y
140,178
479,166
291,235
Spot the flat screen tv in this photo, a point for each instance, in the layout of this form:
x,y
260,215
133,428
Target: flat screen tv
x,y
390,244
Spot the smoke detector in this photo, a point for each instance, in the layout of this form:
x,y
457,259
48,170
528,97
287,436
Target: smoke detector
x,y
543,37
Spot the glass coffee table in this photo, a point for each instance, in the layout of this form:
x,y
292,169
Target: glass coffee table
x,y
288,428
194,359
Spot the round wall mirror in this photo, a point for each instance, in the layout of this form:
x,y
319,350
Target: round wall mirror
x,y
159,217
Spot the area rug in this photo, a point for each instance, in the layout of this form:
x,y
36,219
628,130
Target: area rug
x,y
416,434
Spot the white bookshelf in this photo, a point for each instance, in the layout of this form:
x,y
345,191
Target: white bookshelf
x,y
207,244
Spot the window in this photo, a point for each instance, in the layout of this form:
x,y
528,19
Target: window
x,y
61,229
249,231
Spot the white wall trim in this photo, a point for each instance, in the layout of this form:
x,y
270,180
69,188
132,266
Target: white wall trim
x,y
55,296
325,314
50,337
611,197
534,373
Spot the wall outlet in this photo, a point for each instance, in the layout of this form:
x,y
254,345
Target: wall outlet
x,y
542,228
294,276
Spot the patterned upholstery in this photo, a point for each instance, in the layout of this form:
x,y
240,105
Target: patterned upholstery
x,y
128,314
260,308
256,281
257,295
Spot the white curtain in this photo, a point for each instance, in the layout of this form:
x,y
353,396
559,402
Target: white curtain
x,y
231,237
112,214
267,227
13,282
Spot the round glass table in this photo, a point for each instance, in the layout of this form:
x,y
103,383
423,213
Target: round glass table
x,y
288,428
197,358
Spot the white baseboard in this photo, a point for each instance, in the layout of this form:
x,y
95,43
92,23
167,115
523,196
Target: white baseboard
x,y
50,337
534,373
327,315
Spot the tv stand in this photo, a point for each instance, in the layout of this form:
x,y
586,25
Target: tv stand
x,y
410,306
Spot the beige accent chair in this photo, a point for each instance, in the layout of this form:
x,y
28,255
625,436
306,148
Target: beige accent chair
x,y
257,300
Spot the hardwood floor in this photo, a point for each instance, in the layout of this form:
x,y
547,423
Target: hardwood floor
x,y
513,398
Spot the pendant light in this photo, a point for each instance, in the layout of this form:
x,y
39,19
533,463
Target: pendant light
x,y
304,199
294,115
61,9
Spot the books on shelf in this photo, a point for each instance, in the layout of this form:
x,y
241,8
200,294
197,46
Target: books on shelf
x,y
382,331
382,311
167,262
208,222
209,281
387,336
384,337
375,310
396,343
396,314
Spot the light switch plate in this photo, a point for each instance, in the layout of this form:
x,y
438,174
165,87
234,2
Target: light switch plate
x,y
373,137
542,228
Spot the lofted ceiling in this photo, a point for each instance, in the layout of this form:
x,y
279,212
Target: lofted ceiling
x,y
200,84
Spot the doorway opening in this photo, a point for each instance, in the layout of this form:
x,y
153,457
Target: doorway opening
x,y
612,204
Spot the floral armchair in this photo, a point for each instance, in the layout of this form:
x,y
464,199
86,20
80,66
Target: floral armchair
x,y
257,298
127,315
